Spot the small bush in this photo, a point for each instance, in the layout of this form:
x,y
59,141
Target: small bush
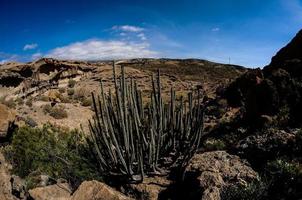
x,y
62,90
29,102
71,83
213,144
86,102
57,112
70,91
20,101
80,94
53,151
253,191
64,99
286,179
43,98
8,102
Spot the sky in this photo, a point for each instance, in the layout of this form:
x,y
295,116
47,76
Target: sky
x,y
242,32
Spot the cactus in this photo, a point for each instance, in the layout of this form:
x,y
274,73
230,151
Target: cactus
x,y
132,140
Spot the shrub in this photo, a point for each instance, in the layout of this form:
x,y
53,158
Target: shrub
x,y
81,93
62,90
57,112
8,102
86,102
29,102
43,98
214,144
20,101
53,151
71,83
286,179
256,190
70,91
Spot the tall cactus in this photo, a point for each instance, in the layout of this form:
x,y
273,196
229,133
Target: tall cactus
x,y
131,139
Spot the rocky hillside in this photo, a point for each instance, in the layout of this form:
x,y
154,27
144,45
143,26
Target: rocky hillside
x,y
236,135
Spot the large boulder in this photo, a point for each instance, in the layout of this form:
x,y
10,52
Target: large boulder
x,y
94,190
60,191
7,116
213,171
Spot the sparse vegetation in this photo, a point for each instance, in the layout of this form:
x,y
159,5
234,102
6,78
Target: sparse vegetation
x,y
70,91
8,102
62,90
86,102
57,112
71,83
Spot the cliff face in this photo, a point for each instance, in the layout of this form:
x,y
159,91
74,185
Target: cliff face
x,y
288,58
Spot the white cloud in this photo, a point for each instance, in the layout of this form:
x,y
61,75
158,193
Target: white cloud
x,y
36,56
96,49
216,29
128,28
30,46
142,36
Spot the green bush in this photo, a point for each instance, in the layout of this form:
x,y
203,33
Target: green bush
x,y
8,102
53,151
62,90
29,102
71,83
256,190
70,91
57,112
20,101
214,144
86,102
286,179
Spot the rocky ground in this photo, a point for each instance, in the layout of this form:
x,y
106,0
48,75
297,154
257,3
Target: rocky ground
x,y
251,146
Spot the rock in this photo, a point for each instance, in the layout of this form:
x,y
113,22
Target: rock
x,y
51,192
5,183
259,148
18,187
214,170
7,116
150,188
94,190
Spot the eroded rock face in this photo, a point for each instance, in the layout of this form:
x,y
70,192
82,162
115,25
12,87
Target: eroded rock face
x,y
214,170
94,190
7,116
60,191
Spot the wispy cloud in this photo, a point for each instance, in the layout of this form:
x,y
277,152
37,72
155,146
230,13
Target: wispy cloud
x,y
30,46
216,29
36,56
142,36
128,28
96,49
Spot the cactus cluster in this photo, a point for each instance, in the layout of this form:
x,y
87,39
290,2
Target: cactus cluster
x,y
132,138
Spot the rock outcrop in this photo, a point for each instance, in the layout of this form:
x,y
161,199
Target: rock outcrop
x,y
288,58
7,116
214,170
60,191
94,190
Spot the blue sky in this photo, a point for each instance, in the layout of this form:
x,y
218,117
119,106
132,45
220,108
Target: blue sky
x,y
249,32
